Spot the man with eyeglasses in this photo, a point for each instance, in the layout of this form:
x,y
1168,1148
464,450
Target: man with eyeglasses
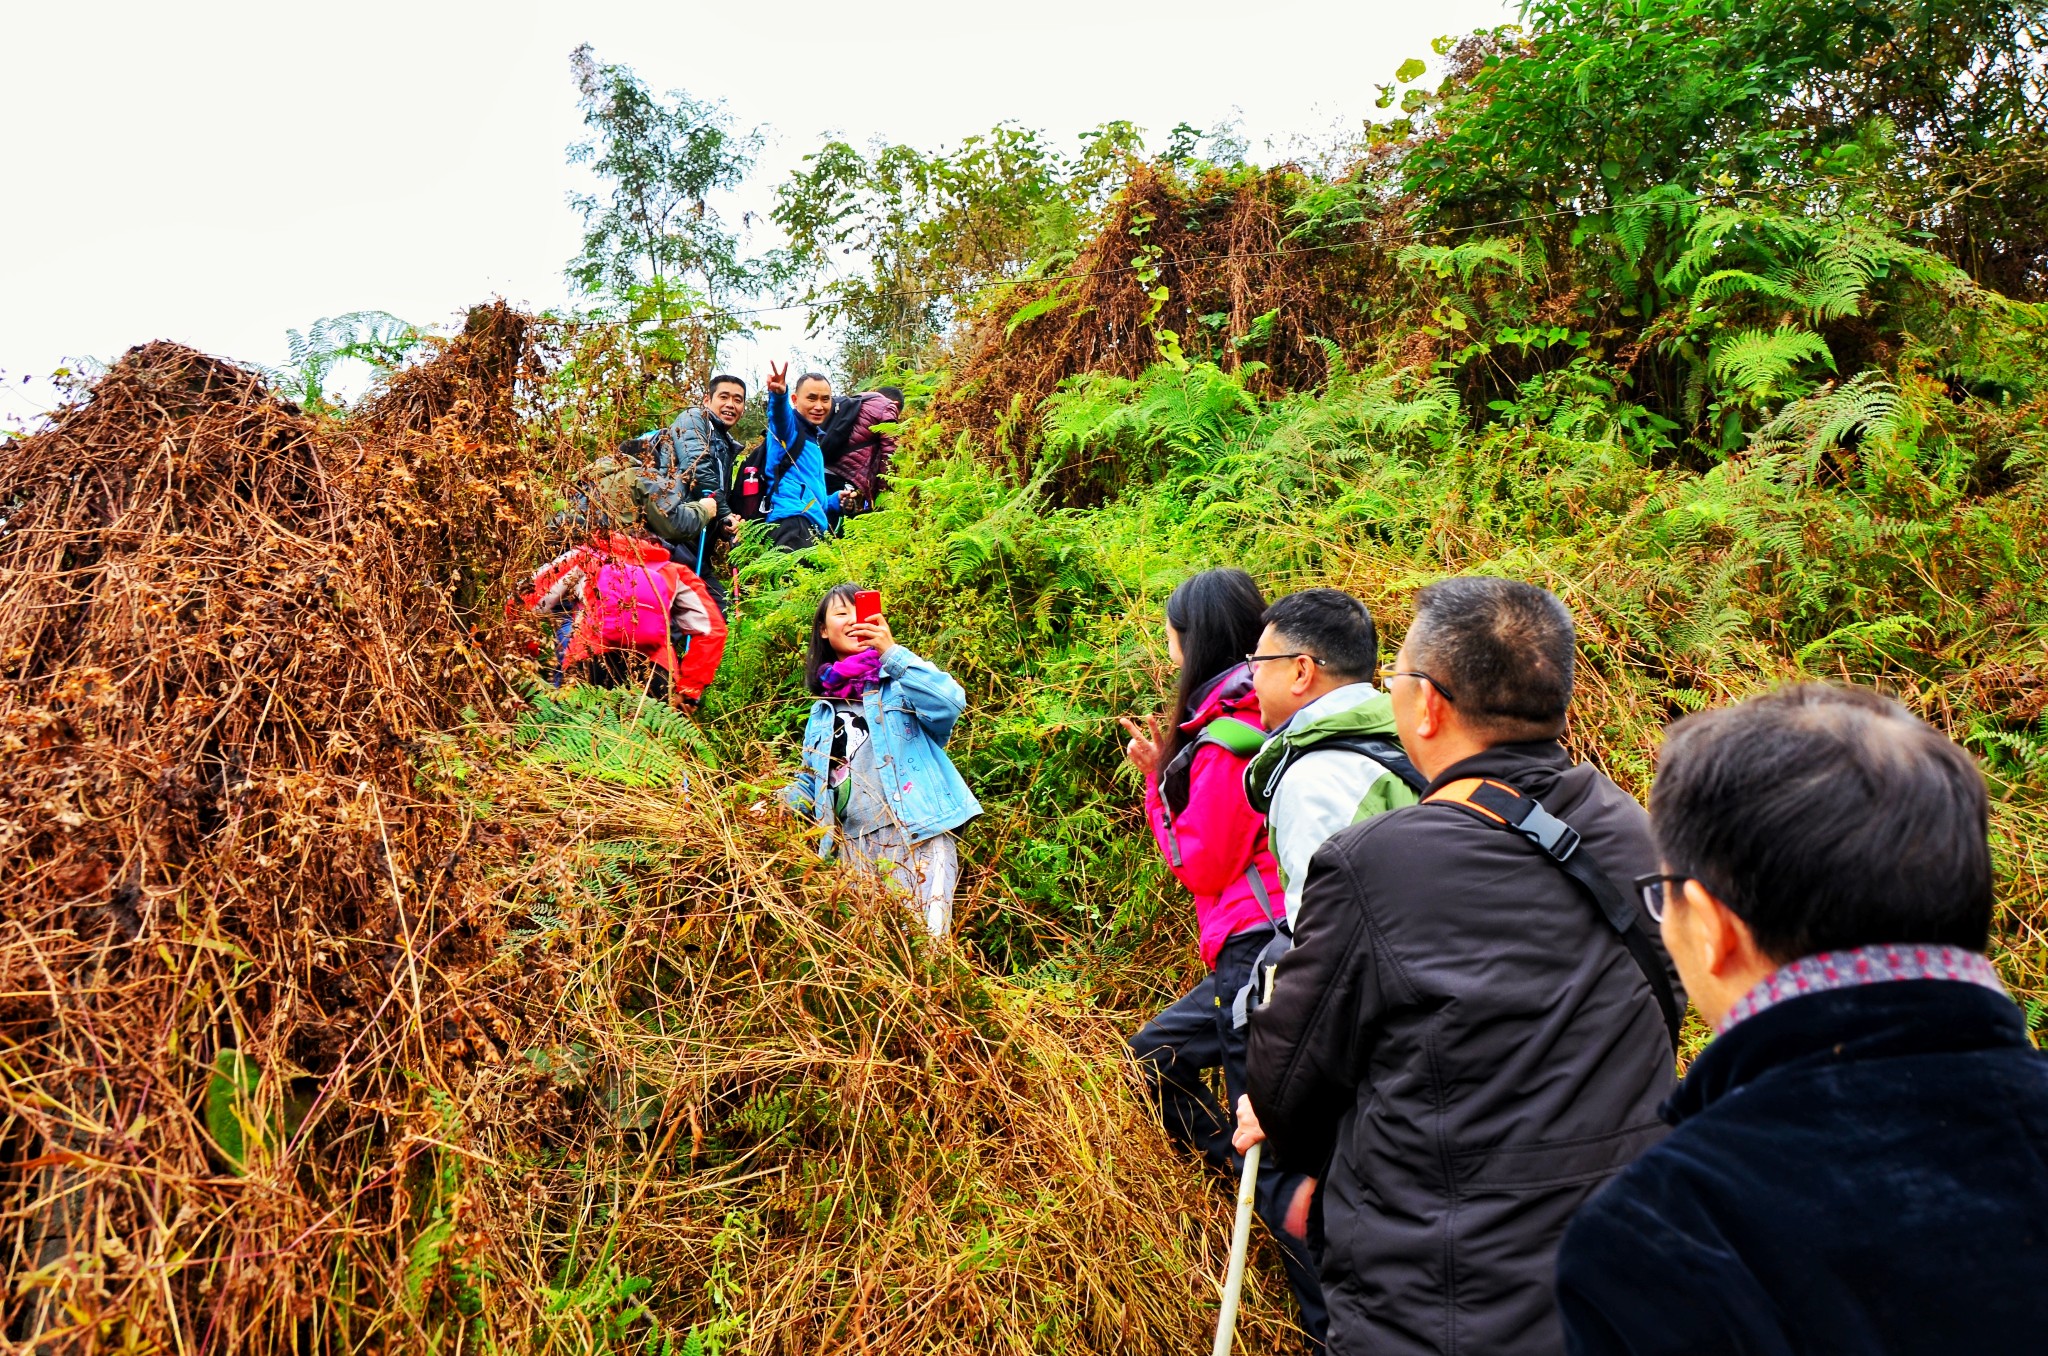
x,y
1333,757
1860,1158
1465,1042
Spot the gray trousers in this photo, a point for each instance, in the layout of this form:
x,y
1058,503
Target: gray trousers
x,y
928,871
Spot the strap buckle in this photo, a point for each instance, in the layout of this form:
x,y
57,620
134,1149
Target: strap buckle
x,y
1550,833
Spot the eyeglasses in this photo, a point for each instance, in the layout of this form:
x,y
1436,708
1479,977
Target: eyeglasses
x,y
1292,654
1656,892
1441,690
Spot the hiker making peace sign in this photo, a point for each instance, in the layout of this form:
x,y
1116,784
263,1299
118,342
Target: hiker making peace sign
x,y
799,507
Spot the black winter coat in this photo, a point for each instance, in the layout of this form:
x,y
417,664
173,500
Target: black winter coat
x,y
1864,1170
1464,1050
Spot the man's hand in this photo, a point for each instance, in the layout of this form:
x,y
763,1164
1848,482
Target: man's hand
x,y
778,378
874,634
707,509
1248,1131
1147,742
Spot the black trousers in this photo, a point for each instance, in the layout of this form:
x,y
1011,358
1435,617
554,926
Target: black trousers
x,y
1174,1049
793,534
685,553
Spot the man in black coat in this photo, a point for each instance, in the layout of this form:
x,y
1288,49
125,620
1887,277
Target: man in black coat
x,y
1461,1038
1861,1156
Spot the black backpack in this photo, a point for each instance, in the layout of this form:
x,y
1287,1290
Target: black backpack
x,y
1388,753
751,487
838,431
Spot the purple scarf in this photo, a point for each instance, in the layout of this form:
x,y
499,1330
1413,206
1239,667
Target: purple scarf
x,y
849,679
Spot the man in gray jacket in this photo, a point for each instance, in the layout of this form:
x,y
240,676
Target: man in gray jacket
x,y
1465,1040
693,471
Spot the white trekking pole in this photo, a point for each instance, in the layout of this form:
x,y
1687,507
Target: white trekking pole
x,y
1240,1244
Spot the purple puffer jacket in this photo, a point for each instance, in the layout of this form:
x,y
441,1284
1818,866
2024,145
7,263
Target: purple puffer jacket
x,y
865,462
1221,839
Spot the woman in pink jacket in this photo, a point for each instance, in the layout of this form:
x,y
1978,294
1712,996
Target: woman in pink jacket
x,y
1215,843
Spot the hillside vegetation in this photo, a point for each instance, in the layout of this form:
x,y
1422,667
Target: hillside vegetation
x,y
364,995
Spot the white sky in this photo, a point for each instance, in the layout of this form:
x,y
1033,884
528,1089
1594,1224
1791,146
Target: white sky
x,y
217,172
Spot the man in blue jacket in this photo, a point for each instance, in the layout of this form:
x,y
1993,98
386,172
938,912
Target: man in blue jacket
x,y
799,508
1860,1162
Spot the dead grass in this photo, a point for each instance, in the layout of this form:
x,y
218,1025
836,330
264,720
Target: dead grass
x,y
326,1029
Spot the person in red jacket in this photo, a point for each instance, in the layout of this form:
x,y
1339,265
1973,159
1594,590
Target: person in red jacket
x,y
1215,843
619,594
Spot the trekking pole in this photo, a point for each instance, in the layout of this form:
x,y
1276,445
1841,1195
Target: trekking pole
x,y
1240,1244
702,535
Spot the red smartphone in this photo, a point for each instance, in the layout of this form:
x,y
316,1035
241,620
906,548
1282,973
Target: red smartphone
x,y
867,605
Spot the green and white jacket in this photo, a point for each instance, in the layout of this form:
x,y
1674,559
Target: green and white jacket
x,y
1311,778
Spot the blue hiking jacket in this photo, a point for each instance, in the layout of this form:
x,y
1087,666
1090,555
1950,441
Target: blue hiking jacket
x,y
910,715
799,475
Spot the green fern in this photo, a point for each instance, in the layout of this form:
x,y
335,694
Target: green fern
x,y
1467,259
1867,412
378,338
1666,205
616,735
1764,362
1874,635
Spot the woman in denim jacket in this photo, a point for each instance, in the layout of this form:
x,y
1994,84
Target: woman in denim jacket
x,y
875,771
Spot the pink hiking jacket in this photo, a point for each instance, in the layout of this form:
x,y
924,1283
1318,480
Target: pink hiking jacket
x,y
1220,837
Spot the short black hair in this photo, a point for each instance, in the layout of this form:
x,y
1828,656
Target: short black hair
x,y
1499,650
725,379
1828,818
1331,625
894,393
799,383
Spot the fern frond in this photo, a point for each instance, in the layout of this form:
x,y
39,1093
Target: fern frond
x,y
1467,259
1760,362
1726,282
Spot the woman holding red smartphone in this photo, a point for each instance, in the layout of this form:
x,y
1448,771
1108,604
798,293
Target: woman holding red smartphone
x,y
875,772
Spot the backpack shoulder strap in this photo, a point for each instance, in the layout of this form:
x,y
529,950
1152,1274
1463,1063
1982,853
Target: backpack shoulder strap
x,y
1497,803
1238,737
771,481
1265,898
1388,753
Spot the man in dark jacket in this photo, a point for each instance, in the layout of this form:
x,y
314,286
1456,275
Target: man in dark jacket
x,y
693,466
1460,1044
1861,1156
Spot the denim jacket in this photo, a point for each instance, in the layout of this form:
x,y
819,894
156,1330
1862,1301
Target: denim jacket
x,y
910,715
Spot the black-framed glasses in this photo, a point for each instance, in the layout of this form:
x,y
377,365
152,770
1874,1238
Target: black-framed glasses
x,y
1656,891
1441,690
1291,654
